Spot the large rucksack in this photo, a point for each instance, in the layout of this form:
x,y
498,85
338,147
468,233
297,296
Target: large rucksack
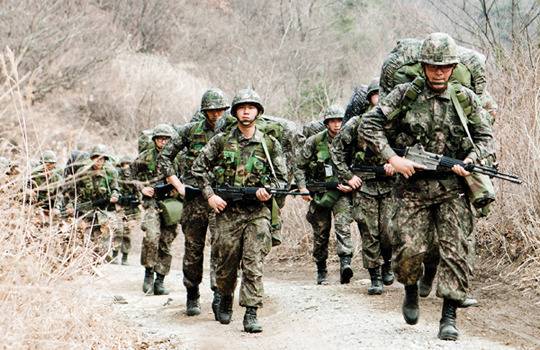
x,y
358,104
402,66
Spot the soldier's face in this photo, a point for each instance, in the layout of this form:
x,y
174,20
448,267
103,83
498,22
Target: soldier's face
x,y
213,115
374,99
333,126
438,76
50,166
246,114
161,141
98,162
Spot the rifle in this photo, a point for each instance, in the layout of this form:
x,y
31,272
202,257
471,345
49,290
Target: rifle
x,y
438,162
163,191
131,201
319,187
237,194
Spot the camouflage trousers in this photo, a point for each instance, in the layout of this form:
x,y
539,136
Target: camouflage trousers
x,y
157,240
372,214
242,239
122,239
421,225
197,218
320,219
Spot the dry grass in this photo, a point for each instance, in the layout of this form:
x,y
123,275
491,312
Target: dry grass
x,y
41,307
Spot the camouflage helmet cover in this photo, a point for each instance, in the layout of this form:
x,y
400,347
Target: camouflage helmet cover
x,y
163,130
48,156
125,159
213,99
439,49
373,87
333,112
248,96
99,150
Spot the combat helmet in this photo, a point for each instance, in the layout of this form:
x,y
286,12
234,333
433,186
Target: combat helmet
x,y
333,112
99,150
373,88
163,130
48,156
247,96
213,99
125,160
439,49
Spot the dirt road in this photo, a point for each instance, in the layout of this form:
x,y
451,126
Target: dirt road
x,y
297,315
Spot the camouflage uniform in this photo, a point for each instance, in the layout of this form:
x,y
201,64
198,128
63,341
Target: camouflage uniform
x,y
243,228
372,203
47,184
89,192
195,217
129,211
313,163
431,206
158,238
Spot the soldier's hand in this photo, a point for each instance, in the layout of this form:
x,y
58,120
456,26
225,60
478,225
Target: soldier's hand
x,y
217,203
55,212
70,211
389,169
113,200
307,198
404,166
459,170
262,194
148,191
344,188
355,183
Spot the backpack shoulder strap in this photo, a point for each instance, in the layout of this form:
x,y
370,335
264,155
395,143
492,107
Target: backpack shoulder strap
x,y
414,89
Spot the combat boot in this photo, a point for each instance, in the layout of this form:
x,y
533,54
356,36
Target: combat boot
x,y
410,307
426,281
225,309
159,288
345,269
114,259
215,305
124,259
193,307
447,325
251,325
322,273
148,284
387,273
376,281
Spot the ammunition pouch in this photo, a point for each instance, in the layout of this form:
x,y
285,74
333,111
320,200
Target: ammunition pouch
x,y
327,199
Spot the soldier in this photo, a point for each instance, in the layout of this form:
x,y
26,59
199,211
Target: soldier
x,y
129,210
46,185
241,157
196,215
158,237
315,165
91,194
432,205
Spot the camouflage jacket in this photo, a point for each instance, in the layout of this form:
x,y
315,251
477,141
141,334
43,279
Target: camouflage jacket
x,y
48,187
431,121
144,168
314,161
127,184
192,137
89,187
349,150
231,159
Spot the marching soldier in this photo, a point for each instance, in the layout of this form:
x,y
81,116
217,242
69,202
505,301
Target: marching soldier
x,y
197,214
243,157
432,205
315,165
158,236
